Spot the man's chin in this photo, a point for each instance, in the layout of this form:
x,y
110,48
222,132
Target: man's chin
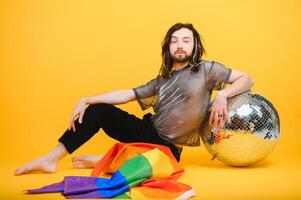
x,y
180,60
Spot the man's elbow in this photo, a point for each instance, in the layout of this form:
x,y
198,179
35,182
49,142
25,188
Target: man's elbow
x,y
130,95
250,80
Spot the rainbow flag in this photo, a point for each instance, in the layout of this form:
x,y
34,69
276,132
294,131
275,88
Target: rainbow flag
x,y
128,170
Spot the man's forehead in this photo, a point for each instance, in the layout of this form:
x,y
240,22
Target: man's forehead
x,y
182,33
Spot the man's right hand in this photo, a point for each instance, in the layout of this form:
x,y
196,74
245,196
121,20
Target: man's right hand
x,y
78,111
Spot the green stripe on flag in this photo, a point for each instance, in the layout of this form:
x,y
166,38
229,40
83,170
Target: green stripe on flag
x,y
136,168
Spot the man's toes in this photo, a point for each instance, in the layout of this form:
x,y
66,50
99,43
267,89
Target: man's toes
x,y
74,159
17,171
79,158
75,163
20,171
79,166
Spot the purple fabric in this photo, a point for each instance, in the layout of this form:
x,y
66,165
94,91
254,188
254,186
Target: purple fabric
x,y
88,187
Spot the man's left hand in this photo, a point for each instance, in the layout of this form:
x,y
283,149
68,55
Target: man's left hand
x,y
219,112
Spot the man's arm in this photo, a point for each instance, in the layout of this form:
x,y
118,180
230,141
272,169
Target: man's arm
x,y
115,97
240,82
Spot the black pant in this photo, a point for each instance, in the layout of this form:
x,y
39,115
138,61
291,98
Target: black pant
x,y
117,124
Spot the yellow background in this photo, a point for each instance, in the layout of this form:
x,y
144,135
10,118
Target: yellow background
x,y
52,53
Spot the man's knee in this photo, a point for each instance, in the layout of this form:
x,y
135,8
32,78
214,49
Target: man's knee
x,y
98,108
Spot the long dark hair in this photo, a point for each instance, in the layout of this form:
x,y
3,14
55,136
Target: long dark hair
x,y
197,52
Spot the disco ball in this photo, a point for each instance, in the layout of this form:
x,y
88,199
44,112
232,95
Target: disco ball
x,y
250,137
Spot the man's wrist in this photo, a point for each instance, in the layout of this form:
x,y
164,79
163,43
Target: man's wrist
x,y
85,100
222,93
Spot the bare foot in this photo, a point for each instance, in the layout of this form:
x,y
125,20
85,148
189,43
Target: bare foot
x,y
83,162
43,164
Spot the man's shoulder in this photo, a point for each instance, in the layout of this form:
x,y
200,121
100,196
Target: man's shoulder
x,y
205,64
208,64
207,61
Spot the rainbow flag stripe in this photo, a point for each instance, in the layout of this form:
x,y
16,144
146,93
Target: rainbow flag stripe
x,y
136,170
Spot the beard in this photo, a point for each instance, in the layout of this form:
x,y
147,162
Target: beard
x,y
181,59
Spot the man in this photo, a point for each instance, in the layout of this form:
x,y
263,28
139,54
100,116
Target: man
x,y
180,96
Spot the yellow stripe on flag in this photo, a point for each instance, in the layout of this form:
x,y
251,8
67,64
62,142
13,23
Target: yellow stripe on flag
x,y
160,163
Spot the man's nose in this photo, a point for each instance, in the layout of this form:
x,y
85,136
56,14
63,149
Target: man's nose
x,y
180,45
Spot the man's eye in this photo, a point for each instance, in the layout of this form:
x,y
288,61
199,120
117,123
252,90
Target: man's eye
x,y
186,41
173,41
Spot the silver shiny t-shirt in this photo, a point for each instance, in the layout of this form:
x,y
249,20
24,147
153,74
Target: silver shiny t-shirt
x,y
181,102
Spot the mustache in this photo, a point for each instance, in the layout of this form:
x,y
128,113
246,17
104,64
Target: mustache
x,y
180,51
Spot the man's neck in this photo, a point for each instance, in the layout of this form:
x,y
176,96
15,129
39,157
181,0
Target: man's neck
x,y
179,65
